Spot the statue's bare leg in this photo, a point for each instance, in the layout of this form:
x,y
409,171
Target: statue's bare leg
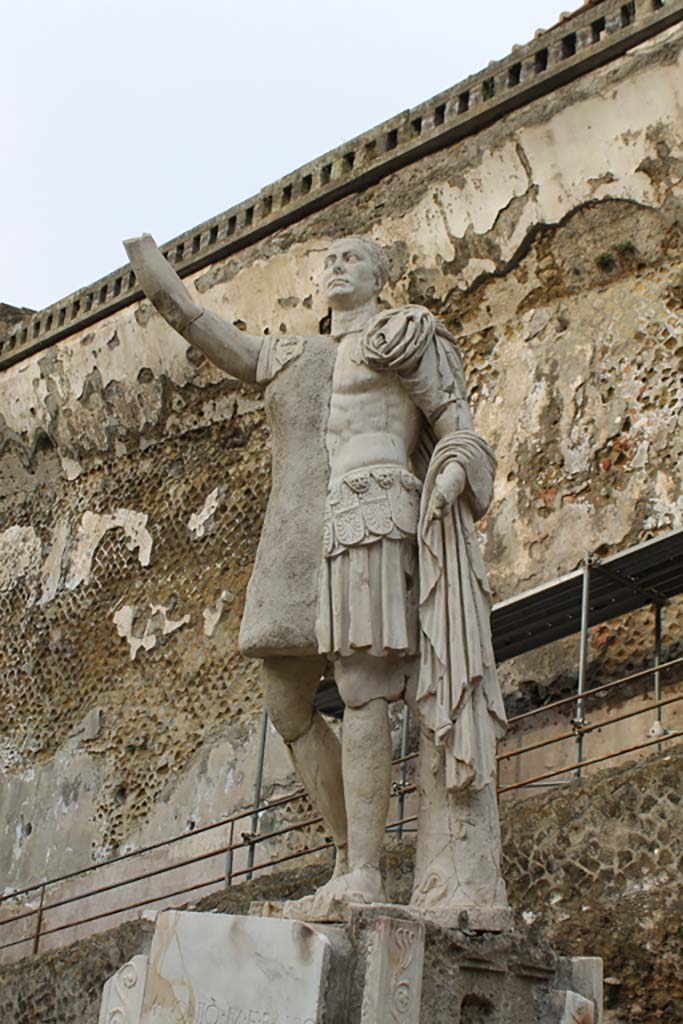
x,y
366,684
289,686
367,788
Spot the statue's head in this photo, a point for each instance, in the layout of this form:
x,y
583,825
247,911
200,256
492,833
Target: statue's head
x,y
356,270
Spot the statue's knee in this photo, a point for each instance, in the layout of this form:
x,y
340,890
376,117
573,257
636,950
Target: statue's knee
x,y
291,718
289,711
367,718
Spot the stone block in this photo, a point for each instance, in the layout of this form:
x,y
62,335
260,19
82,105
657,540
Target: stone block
x,y
583,975
393,980
92,724
497,978
225,969
122,994
571,1008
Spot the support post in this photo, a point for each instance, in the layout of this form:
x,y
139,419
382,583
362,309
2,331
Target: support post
x,y
579,721
257,790
39,921
658,662
405,732
229,857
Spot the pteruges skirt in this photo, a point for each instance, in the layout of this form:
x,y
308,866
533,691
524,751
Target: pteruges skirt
x,y
368,597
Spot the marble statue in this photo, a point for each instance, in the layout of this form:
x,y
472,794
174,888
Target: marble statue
x,y
368,562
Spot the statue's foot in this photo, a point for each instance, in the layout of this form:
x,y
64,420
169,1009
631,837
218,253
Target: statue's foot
x,y
330,902
361,885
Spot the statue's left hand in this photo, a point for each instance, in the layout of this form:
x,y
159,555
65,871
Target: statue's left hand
x,y
448,486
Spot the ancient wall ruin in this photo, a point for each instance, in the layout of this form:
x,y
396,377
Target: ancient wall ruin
x,y
134,475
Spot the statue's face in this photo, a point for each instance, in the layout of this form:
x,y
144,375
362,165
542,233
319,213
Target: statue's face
x,y
350,277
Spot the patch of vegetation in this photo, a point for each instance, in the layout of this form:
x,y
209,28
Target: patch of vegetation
x,y
605,261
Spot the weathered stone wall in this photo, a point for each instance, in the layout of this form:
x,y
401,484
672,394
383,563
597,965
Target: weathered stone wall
x,y
595,868
598,870
134,475
66,987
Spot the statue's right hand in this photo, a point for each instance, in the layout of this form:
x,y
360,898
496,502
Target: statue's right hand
x,y
448,486
160,283
214,335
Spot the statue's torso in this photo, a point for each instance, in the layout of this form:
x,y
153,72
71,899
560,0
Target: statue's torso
x,y
329,414
372,420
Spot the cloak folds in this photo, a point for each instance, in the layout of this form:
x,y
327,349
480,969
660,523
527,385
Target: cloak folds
x,y
458,692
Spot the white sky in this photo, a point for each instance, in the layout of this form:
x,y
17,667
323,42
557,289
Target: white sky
x,y
123,116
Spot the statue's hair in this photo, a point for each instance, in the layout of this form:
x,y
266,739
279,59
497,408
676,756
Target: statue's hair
x,y
377,255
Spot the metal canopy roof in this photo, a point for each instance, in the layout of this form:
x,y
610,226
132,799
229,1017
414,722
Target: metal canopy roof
x,y
651,572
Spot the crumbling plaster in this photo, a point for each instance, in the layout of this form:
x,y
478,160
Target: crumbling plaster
x,y
134,474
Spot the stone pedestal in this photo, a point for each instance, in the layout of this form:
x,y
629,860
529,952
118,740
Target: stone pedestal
x,y
487,978
384,966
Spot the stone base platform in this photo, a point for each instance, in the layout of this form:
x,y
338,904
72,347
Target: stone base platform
x,y
383,965
469,920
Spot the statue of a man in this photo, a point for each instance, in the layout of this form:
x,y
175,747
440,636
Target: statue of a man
x,y
368,562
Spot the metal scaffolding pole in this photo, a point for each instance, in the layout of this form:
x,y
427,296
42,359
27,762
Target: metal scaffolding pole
x,y
579,721
405,732
658,674
229,857
257,790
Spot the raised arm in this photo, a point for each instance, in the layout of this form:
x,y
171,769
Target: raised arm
x,y
232,350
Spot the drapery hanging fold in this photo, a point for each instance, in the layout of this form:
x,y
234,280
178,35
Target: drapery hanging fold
x,y
458,692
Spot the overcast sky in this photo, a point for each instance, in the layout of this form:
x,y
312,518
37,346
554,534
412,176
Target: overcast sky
x,y
122,116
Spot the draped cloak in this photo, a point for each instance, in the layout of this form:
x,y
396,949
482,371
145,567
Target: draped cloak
x,y
458,692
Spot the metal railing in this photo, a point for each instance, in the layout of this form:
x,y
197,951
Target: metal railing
x,y
235,842
580,727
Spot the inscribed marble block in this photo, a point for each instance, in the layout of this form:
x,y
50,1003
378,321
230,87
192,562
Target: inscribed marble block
x,y
226,969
